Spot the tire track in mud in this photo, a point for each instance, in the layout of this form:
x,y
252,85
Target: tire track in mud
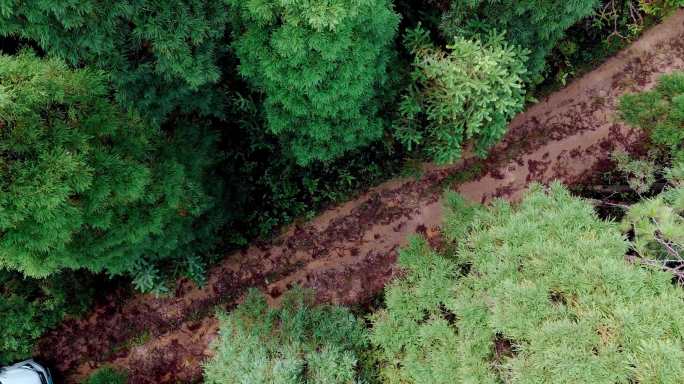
x,y
347,253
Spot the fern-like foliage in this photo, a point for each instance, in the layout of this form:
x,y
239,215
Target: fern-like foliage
x,y
660,113
466,94
159,54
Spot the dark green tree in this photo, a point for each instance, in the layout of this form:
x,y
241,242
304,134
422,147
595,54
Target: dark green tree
x,y
320,66
536,25
29,307
159,54
87,185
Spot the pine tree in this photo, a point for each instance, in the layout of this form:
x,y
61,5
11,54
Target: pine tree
x,y
159,54
298,343
530,24
320,66
536,293
88,185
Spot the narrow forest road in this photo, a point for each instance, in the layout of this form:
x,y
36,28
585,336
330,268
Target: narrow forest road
x,y
347,253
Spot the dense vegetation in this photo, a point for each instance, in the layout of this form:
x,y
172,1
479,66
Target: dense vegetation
x,y
656,223
535,292
540,292
467,95
29,307
530,24
321,66
106,375
160,55
142,139
87,184
296,343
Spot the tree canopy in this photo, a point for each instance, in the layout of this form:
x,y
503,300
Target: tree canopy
x,y
86,184
320,66
540,292
158,54
297,343
530,24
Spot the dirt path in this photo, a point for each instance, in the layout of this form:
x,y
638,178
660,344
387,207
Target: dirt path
x,y
347,253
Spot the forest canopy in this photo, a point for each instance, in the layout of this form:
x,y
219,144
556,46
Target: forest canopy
x,y
141,141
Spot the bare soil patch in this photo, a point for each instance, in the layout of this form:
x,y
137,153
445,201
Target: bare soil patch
x,y
348,253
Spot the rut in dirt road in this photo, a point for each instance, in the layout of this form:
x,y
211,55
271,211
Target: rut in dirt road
x,y
347,253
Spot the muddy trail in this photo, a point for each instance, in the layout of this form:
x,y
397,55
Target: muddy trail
x,y
347,254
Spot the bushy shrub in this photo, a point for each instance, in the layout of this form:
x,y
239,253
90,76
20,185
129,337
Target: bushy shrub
x,y
531,24
297,343
657,226
466,94
87,185
546,296
660,113
320,66
107,375
660,8
29,307
159,54
640,173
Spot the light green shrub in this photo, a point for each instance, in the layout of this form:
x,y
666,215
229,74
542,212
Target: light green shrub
x,y
660,113
536,25
297,343
465,94
660,8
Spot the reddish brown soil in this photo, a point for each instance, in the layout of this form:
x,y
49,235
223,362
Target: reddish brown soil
x,y
347,253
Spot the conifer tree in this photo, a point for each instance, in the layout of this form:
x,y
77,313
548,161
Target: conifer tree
x,y
320,65
536,293
299,343
159,54
467,93
531,24
87,185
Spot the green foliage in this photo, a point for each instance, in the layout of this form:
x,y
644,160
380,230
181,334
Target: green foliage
x,y
465,94
416,340
660,113
297,343
266,189
546,297
107,375
459,217
531,24
158,53
657,225
660,8
86,185
29,307
641,174
321,66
